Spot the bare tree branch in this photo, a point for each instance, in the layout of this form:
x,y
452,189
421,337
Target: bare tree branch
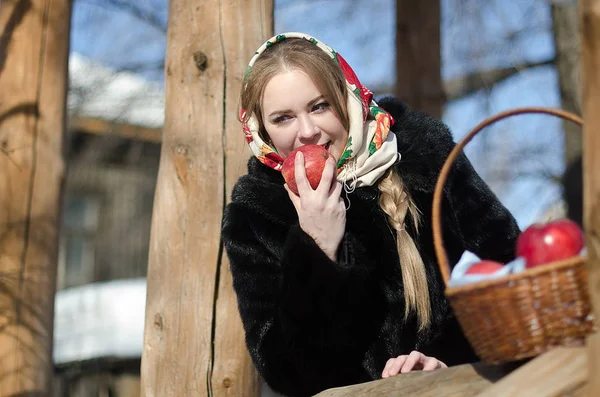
x,y
486,79
150,18
473,82
153,66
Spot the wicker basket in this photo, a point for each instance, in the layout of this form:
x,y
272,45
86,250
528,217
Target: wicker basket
x,y
520,315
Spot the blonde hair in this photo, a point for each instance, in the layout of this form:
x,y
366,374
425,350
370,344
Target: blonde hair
x,y
295,54
300,54
396,203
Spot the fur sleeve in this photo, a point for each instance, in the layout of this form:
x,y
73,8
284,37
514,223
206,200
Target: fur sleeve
x,y
486,226
305,317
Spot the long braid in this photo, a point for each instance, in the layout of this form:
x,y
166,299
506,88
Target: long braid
x,y
396,203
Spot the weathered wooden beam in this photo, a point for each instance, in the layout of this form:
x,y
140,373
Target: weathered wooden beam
x,y
193,341
105,127
460,381
34,42
247,24
590,60
557,372
184,243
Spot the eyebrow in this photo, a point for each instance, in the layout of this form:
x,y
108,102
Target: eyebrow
x,y
309,104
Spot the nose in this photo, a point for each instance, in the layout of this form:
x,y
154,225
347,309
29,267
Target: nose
x,y
308,129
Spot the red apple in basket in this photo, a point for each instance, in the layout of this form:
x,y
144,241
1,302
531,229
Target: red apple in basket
x,y
484,267
549,242
315,158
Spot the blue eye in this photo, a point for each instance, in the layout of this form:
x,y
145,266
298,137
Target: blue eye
x,y
280,119
320,106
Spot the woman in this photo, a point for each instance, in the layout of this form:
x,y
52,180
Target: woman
x,y
339,285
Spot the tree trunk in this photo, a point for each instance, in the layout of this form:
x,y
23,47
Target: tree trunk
x,y
590,59
194,342
34,47
418,60
565,26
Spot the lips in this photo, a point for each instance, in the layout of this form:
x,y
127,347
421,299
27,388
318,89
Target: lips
x,y
326,145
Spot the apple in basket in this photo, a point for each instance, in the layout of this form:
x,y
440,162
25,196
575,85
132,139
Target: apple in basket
x,y
484,267
550,242
315,158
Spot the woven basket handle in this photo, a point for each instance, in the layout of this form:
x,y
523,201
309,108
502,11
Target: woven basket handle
x,y
439,187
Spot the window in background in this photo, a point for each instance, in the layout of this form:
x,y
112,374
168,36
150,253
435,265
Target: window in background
x,y
77,241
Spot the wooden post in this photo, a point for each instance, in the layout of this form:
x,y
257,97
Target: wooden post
x,y
418,59
193,341
590,60
34,44
248,26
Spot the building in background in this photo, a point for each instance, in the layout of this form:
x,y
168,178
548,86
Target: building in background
x,y
113,151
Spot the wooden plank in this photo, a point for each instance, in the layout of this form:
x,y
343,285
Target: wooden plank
x,y
460,381
105,127
186,272
234,374
184,241
555,373
33,85
590,59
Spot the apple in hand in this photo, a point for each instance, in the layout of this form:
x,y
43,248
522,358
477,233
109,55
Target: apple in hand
x,y
550,242
484,267
315,158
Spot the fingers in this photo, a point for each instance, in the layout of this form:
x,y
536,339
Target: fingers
x,y
393,365
386,369
336,191
430,363
327,176
398,363
412,360
300,174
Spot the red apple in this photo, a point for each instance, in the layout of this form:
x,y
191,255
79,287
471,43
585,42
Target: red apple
x,y
484,267
315,158
550,242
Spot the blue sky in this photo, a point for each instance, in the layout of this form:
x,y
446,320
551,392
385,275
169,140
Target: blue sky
x,y
475,35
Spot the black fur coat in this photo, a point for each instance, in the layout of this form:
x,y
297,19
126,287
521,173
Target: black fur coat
x,y
313,324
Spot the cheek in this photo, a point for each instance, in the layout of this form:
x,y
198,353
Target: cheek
x,y
283,141
334,127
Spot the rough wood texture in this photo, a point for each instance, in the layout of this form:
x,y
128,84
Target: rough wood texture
x,y
461,381
190,303
418,60
244,29
590,59
558,372
34,42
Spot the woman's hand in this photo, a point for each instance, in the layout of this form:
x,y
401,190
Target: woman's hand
x,y
321,212
414,361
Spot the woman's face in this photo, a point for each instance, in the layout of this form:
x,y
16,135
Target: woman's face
x,y
295,113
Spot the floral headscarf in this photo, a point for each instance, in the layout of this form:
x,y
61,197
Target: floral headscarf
x,y
370,149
